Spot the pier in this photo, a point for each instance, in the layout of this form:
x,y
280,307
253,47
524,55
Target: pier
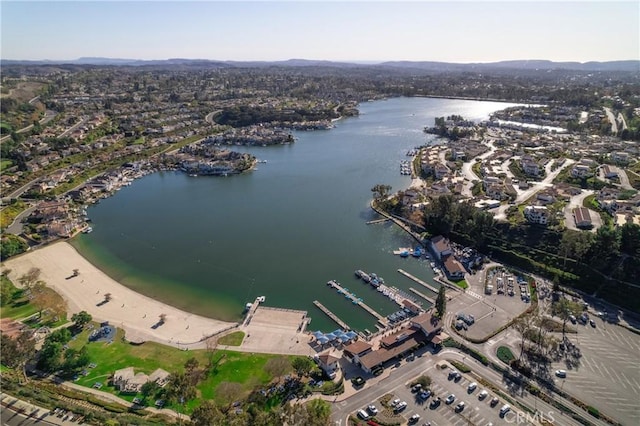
x,y
418,280
371,222
331,315
424,296
356,301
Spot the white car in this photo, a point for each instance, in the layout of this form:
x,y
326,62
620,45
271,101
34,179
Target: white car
x,y
395,402
363,415
450,399
460,406
415,418
401,406
482,395
372,409
561,373
472,386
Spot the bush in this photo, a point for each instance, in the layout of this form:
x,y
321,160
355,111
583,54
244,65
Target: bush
x,y
463,368
593,411
505,355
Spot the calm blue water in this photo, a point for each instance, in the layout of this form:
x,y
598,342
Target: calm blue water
x,y
211,244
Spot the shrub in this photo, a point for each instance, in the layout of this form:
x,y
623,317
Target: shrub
x,y
463,368
505,355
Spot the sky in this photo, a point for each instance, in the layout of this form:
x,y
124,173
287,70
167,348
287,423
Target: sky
x,y
350,31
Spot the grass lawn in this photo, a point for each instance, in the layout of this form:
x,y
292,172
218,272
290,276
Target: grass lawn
x,y
232,339
244,368
462,284
5,164
18,307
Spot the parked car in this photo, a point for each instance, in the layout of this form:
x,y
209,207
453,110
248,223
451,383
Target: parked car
x,y
363,414
450,399
494,401
414,419
416,388
425,394
401,406
435,402
460,406
593,323
482,395
372,409
472,386
504,409
395,402
561,373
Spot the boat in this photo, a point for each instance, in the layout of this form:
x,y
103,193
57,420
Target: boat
x,y
417,252
248,306
366,277
404,254
88,230
261,299
359,273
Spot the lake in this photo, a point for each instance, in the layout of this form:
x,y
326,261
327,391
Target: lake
x,y
210,244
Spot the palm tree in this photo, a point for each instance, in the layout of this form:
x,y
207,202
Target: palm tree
x,y
107,297
163,318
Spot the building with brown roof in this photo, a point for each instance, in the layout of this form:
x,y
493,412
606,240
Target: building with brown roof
x,y
582,217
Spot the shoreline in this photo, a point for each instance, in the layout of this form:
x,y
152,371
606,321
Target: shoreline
x,y
137,314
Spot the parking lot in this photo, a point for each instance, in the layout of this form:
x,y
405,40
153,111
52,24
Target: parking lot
x,y
608,375
476,411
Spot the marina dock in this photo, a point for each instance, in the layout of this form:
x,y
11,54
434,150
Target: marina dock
x,y
424,296
418,280
331,315
357,301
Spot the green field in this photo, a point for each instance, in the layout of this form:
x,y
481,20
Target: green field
x,y
244,368
232,339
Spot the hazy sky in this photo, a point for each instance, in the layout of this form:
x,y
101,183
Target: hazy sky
x,y
452,31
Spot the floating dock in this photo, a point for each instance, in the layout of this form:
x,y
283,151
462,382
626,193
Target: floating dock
x,y
418,280
331,315
356,301
424,296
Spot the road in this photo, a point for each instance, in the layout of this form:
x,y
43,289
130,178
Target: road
x,y
467,170
612,120
48,116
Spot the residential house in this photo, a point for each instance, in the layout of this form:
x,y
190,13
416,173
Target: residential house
x,y
440,247
545,197
609,172
440,171
328,363
529,166
581,171
453,268
582,217
536,214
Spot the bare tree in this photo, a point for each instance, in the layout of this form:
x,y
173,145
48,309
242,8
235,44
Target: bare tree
x,y
228,392
30,278
277,366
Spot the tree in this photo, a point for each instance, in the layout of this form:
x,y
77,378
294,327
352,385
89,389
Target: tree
x,y
81,319
162,318
30,278
228,392
192,370
302,365
207,414
319,412
148,389
523,326
46,299
16,352
564,309
441,302
277,366
380,192
107,297
180,389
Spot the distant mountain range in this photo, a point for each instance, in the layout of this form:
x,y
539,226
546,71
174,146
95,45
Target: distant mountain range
x,y
630,65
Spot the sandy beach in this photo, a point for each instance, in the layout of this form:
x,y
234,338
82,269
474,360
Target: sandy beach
x,y
135,313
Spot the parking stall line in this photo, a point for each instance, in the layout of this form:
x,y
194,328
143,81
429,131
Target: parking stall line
x,y
635,383
604,367
587,364
619,379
